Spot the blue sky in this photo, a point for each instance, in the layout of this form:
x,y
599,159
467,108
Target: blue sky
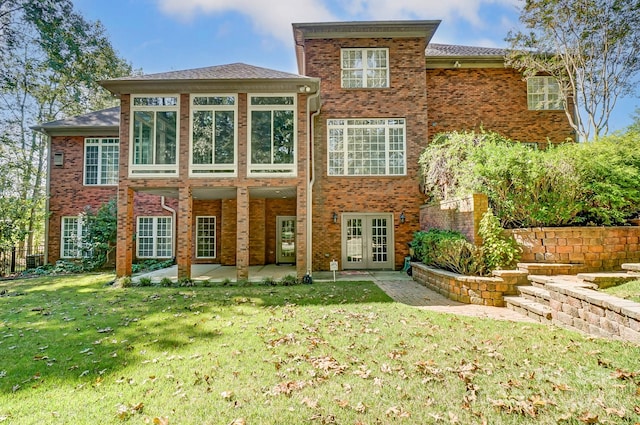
x,y
167,35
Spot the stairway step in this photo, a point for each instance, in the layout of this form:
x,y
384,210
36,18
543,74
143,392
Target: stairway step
x,y
550,269
607,279
535,293
631,267
533,309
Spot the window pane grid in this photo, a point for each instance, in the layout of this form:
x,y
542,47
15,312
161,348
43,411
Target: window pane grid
x,y
155,237
543,93
365,68
205,237
101,161
366,147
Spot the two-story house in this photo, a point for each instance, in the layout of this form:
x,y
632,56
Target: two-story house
x,y
240,165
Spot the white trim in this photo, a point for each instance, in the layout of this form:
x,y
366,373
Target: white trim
x,y
100,145
366,240
154,236
272,170
546,83
215,236
213,170
79,230
364,68
153,170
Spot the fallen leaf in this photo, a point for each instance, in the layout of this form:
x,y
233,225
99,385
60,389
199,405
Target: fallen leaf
x,y
341,403
310,403
238,421
227,395
589,418
161,421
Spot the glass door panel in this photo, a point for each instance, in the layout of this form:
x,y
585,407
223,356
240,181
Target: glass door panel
x,y
286,240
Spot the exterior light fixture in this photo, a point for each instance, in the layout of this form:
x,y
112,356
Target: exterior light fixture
x,y
402,217
335,217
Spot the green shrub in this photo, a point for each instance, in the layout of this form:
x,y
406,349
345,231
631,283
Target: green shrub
x,y
594,183
269,281
500,251
144,281
448,250
289,280
166,282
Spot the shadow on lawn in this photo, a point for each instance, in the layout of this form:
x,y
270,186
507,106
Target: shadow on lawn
x,y
79,329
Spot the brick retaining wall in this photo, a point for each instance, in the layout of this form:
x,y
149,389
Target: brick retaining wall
x,y
597,248
470,289
594,312
460,214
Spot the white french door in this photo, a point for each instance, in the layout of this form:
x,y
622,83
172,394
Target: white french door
x,y
286,239
367,241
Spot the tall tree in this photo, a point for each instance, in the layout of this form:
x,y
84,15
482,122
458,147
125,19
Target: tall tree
x,y
50,60
592,47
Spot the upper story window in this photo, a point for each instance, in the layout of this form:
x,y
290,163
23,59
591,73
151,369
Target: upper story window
x,y
367,147
273,137
365,68
543,93
213,135
154,135
101,159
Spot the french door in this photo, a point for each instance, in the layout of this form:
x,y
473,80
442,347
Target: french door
x,y
286,239
367,241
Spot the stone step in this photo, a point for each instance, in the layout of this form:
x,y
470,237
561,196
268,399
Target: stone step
x,y
631,267
551,269
533,309
607,279
535,293
541,281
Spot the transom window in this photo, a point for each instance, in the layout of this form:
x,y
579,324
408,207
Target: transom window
x,y
205,237
213,135
365,68
272,129
73,233
154,237
101,160
366,147
543,93
154,135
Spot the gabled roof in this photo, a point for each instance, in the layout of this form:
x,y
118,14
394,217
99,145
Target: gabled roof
x,y
454,56
104,122
235,77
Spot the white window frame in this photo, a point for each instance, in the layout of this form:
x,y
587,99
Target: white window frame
x,y
101,143
546,84
74,248
214,170
272,170
199,237
366,81
155,236
390,126
153,170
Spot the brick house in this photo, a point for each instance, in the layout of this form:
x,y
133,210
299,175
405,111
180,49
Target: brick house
x,y
240,165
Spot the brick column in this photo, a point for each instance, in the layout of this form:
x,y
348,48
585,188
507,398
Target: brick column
x,y
242,235
124,244
184,233
301,231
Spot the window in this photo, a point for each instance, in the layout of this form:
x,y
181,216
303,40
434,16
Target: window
x,y
273,135
543,93
205,237
367,147
73,231
365,68
154,135
101,159
213,135
154,237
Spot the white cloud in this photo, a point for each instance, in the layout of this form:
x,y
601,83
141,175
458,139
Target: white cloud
x,y
272,18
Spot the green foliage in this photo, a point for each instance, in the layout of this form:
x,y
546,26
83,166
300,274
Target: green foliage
x,y
289,280
166,282
571,184
99,241
149,265
500,251
449,250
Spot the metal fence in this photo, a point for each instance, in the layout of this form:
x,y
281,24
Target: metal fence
x,y
14,260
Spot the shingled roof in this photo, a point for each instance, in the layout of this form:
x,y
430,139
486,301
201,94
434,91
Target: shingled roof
x,y
232,71
102,120
450,50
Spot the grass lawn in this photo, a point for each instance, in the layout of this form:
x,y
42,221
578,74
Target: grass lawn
x,y
628,291
76,351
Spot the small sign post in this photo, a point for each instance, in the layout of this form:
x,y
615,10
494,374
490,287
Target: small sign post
x,y
333,266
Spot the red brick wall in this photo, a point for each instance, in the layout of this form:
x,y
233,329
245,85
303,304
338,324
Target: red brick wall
x,y
492,98
406,98
462,215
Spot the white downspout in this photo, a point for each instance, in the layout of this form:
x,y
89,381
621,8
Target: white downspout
x,y
311,170
46,199
175,224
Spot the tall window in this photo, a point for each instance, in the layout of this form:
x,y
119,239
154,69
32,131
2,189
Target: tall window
x,y
73,231
101,159
273,135
205,237
154,237
543,93
366,147
365,68
154,135
213,135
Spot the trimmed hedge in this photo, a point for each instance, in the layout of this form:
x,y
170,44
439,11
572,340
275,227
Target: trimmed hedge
x,y
596,183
